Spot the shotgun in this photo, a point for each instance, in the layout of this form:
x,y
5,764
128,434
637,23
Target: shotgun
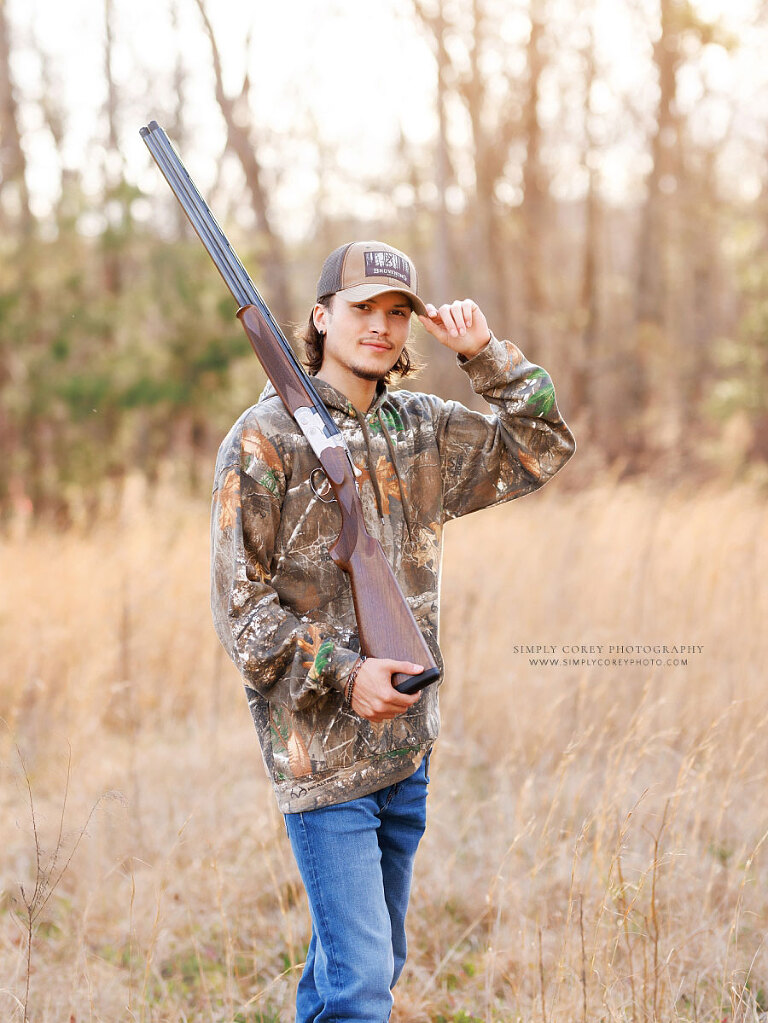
x,y
385,622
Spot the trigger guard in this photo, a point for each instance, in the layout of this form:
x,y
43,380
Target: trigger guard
x,y
324,487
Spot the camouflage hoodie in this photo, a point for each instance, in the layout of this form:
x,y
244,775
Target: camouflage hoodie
x,y
282,608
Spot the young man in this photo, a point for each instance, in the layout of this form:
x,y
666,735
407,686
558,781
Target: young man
x,y
348,754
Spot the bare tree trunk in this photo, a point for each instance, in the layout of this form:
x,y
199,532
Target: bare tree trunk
x,y
583,372
652,279
489,159
239,141
323,237
13,163
443,377
16,221
534,191
652,284
442,268
112,140
701,311
113,160
178,123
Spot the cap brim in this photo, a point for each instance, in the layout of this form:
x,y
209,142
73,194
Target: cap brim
x,y
360,292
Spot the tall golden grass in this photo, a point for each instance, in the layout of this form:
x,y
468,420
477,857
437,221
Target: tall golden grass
x,y
597,839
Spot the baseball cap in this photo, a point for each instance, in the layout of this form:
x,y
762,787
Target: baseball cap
x,y
361,270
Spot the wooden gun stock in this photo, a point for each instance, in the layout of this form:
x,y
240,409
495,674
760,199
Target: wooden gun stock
x,y
385,622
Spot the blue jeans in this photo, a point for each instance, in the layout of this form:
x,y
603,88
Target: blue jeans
x,y
356,860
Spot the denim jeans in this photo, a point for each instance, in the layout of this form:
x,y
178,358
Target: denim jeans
x,y
356,860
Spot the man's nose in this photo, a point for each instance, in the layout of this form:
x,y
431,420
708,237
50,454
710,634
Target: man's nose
x,y
379,322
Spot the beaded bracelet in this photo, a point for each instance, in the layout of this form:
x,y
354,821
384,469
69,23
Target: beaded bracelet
x,y
352,678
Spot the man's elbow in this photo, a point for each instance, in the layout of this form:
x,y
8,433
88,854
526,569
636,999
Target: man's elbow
x,y
562,449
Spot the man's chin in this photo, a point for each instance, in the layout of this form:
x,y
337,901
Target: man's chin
x,y
370,374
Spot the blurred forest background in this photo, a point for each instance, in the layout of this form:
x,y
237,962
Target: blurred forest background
x,y
593,173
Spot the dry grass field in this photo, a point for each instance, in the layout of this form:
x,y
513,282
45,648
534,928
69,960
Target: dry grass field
x,y
597,840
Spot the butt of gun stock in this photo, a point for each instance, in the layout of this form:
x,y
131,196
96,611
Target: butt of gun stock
x,y
415,683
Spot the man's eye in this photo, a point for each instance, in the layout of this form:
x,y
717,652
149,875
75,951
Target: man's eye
x,y
362,305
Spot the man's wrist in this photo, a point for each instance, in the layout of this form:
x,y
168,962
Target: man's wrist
x,y
349,685
476,349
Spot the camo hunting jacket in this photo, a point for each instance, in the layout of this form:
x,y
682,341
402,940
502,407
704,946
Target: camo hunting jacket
x,y
283,609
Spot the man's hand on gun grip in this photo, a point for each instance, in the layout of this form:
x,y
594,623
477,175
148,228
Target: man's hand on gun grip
x,y
374,697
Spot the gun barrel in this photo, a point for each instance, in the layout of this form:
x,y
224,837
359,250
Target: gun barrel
x,y
225,258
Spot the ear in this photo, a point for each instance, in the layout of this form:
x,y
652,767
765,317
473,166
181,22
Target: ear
x,y
320,316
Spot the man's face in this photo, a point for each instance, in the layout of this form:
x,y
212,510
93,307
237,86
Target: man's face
x,y
364,338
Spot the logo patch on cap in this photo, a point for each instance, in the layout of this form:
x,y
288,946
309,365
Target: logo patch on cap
x,y
387,264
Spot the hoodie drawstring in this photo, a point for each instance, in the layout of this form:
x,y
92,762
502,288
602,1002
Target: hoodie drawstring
x,y
391,447
371,468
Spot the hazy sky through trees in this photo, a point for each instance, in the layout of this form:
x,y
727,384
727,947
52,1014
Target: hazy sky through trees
x,y
356,76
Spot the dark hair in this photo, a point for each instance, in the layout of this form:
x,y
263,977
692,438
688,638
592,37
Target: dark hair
x,y
314,348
